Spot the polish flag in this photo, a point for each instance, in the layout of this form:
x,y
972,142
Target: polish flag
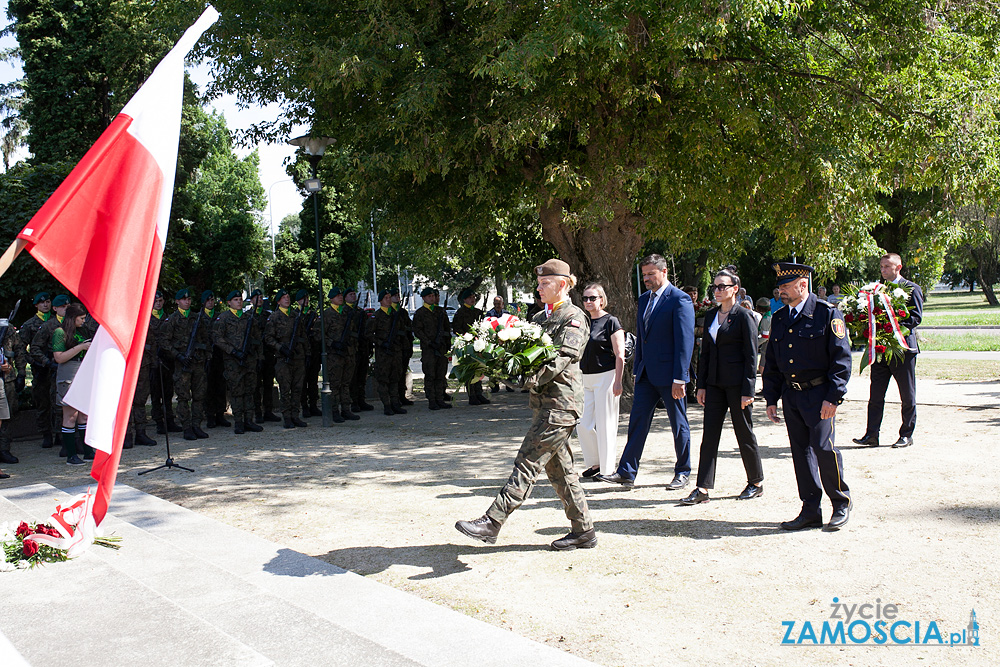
x,y
101,234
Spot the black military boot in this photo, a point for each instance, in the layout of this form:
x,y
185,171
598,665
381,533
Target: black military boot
x,y
365,407
271,417
189,434
336,416
258,417
198,432
238,428
388,411
403,400
161,428
254,428
210,422
173,427
346,413
288,423
483,529
432,404
47,441
221,420
398,409
127,444
299,422
444,405
306,412
142,439
585,540
483,400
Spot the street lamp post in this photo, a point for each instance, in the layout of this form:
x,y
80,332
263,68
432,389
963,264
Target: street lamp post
x,y
314,148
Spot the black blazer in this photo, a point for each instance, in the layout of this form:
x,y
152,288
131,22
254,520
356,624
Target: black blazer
x,y
731,359
916,308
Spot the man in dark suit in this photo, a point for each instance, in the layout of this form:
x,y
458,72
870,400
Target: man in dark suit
x,y
664,343
903,370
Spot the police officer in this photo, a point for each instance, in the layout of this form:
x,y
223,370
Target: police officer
x,y
215,394
285,334
465,317
233,331
556,400
361,352
161,375
186,337
41,374
807,365
432,328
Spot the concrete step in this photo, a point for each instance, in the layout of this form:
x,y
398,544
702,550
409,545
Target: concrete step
x,y
188,590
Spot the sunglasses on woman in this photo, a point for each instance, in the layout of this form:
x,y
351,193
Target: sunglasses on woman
x,y
591,298
712,288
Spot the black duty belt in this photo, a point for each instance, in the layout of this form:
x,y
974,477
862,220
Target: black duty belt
x,y
808,384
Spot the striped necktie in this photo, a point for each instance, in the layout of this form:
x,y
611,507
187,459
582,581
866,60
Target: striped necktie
x,y
649,310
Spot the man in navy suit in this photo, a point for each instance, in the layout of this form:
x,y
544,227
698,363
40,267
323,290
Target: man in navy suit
x,y
664,342
904,370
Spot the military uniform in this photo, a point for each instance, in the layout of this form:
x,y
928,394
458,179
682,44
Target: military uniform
x,y
361,335
215,376
337,322
161,377
431,327
312,365
405,347
42,376
388,335
187,339
13,352
40,355
263,395
808,361
285,334
150,351
232,333
464,318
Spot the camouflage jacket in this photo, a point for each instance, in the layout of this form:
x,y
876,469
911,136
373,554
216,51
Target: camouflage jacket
x,y
558,385
176,332
432,328
384,324
260,316
27,332
278,334
14,353
230,330
41,343
464,318
337,327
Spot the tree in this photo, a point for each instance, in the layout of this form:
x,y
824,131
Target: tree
x,y
976,258
620,122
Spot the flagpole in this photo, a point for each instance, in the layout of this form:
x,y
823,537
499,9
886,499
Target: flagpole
x,y
11,254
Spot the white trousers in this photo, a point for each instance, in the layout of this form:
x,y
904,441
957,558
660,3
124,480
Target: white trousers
x,y
598,427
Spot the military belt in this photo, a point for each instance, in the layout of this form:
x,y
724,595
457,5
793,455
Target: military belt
x,y
808,384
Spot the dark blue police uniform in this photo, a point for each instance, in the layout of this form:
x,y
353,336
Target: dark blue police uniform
x,y
808,361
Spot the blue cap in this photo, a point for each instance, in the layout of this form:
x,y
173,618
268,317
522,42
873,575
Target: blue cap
x,y
789,271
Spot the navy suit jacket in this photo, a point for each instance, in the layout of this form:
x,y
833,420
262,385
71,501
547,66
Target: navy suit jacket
x,y
916,309
663,352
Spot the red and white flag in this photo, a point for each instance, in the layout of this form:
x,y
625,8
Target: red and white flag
x,y
101,234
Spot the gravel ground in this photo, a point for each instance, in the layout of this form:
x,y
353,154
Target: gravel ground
x,y
667,584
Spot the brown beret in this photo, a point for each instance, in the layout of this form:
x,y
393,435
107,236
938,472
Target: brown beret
x,y
553,267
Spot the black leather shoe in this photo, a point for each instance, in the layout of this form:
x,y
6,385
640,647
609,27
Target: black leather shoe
x,y
585,540
298,422
201,434
803,521
904,441
839,519
142,439
696,498
483,529
288,423
432,405
483,400
591,472
7,457
679,482
252,427
867,440
189,434
615,478
474,400
752,491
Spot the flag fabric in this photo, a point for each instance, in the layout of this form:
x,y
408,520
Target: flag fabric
x,y
102,233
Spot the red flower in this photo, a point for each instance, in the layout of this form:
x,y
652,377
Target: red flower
x,y
29,548
849,318
863,317
886,327
900,313
24,530
879,311
880,348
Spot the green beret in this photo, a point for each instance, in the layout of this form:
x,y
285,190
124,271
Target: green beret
x,y
61,300
182,293
394,291
206,295
350,290
232,295
427,291
382,294
41,296
256,292
466,293
301,294
334,291
158,295
281,293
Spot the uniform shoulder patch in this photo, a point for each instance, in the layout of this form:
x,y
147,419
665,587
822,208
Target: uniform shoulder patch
x,y
575,323
839,329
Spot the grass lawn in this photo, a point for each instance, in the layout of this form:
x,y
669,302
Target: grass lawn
x,y
959,370
987,316
959,300
972,341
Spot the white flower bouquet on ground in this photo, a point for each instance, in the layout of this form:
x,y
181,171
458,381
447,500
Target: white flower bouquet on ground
x,y
504,349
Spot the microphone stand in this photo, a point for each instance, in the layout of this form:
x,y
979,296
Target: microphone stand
x,y
170,461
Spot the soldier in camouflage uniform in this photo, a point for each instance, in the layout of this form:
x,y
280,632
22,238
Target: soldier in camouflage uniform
x,y
263,395
431,327
465,317
150,358
314,357
362,352
337,320
285,335
556,404
387,339
161,375
186,337
41,355
215,394
41,374
233,332
405,345
13,369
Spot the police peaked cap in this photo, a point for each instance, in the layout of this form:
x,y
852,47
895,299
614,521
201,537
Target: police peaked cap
x,y
382,294
301,294
182,293
789,271
232,295
41,296
335,291
427,291
206,295
466,293
61,300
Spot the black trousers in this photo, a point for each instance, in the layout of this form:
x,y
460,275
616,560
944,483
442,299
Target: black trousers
x,y
718,401
818,464
904,371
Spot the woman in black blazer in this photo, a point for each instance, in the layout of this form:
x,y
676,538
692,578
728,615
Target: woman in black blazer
x,y
727,374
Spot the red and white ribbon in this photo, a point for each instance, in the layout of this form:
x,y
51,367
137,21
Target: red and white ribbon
x,y
883,300
871,324
893,321
76,525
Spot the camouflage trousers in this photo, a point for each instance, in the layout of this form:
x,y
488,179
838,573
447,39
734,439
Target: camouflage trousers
x,y
435,369
215,394
42,382
340,372
7,427
190,387
545,447
263,395
289,376
387,375
359,381
240,386
142,390
310,376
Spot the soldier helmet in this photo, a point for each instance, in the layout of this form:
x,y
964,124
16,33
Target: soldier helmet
x,y
41,296
335,291
789,271
427,291
232,295
61,300
301,294
182,293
